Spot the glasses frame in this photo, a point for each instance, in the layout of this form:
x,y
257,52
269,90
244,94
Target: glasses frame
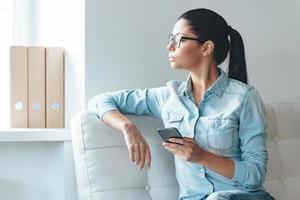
x,y
182,37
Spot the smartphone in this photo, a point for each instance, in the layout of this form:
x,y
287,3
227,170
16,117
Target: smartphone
x,y
167,133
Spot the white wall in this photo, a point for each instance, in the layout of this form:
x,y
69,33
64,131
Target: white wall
x,y
125,43
61,23
31,176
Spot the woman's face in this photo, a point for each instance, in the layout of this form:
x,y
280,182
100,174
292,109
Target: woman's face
x,y
188,55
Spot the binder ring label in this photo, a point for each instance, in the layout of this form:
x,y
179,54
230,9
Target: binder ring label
x,y
19,106
36,106
55,106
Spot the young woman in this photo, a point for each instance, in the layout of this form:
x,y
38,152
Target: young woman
x,y
223,153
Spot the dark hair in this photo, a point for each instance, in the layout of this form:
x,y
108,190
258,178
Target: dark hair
x,y
208,25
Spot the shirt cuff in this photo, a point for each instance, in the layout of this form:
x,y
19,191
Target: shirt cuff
x,y
101,112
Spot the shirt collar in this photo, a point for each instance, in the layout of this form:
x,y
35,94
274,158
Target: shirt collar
x,y
216,88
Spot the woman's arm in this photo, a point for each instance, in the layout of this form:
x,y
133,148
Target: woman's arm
x,y
111,107
250,170
138,148
139,102
189,150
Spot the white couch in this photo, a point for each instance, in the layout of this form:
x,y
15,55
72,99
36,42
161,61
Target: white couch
x,y
104,171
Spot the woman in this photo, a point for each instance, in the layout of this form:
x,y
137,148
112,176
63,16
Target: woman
x,y
223,153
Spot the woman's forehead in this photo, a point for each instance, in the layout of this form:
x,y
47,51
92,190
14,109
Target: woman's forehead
x,y
182,26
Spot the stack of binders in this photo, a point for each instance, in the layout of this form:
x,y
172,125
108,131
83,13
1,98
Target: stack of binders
x,y
36,87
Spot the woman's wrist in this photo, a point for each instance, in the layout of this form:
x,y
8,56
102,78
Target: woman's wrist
x,y
202,157
218,164
127,127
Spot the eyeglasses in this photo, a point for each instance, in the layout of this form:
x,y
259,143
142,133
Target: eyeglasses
x,y
176,40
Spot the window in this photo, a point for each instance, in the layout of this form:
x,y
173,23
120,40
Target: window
x,y
14,16
4,62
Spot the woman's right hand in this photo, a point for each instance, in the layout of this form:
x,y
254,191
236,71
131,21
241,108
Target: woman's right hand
x,y
138,147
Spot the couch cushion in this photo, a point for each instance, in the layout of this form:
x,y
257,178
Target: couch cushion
x,y
283,174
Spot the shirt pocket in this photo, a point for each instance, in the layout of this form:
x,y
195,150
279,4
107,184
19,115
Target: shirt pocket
x,y
220,133
173,118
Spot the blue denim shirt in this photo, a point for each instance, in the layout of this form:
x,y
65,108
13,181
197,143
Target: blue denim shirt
x,y
230,121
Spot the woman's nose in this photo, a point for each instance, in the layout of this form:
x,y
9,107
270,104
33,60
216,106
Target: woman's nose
x,y
170,47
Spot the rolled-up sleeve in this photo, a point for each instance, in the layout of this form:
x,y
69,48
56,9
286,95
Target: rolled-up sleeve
x,y
250,170
138,101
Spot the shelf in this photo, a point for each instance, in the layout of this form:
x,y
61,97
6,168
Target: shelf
x,y
35,135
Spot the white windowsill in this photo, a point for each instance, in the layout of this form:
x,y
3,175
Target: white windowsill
x,y
35,135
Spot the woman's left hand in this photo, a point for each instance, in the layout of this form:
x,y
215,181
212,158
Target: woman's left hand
x,y
186,148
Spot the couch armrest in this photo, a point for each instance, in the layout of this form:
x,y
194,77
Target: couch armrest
x,y
102,164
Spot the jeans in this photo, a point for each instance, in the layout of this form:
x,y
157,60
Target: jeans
x,y
239,195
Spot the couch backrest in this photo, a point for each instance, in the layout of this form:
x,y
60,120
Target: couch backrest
x,y
283,176
104,171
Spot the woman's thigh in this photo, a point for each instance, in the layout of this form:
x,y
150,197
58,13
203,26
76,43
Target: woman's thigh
x,y
239,195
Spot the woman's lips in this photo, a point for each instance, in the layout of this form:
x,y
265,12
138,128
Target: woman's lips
x,y
171,58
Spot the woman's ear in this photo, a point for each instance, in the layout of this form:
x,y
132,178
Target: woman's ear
x,y
208,48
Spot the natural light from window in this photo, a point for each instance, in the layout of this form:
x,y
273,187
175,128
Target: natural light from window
x,y
4,62
14,15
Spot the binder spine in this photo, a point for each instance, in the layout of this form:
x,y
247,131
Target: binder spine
x,y
36,87
18,87
54,87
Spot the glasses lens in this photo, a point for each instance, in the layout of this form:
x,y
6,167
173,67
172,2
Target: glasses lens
x,y
174,40
171,39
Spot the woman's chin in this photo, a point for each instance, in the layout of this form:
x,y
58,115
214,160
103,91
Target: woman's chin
x,y
173,66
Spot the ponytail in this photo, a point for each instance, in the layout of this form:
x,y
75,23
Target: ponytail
x,y
237,63
208,25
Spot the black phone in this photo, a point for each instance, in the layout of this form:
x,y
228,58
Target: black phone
x,y
167,133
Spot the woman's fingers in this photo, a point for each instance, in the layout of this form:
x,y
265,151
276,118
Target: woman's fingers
x,y
137,157
142,153
181,141
175,148
138,149
131,153
148,158
176,140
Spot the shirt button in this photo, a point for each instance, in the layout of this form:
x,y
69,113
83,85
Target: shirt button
x,y
201,171
148,188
